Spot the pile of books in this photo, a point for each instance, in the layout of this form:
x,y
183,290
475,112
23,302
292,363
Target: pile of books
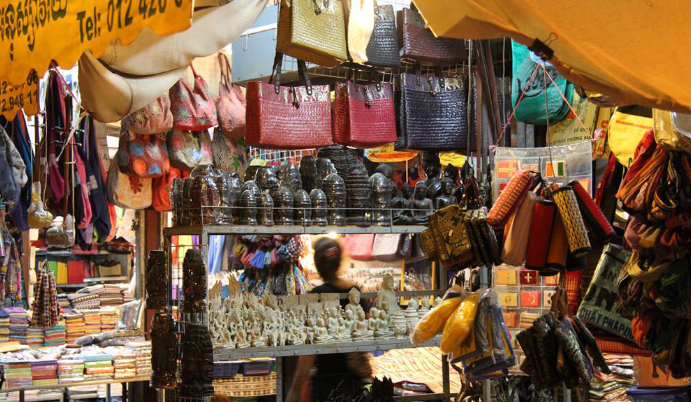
x,y
44,372
70,371
125,364
142,353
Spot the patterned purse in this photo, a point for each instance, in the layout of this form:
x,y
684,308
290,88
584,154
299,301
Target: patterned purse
x,y
145,156
154,118
451,236
193,108
127,191
364,115
576,234
385,247
509,199
189,149
231,103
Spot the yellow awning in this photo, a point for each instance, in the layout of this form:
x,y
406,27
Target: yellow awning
x,y
631,51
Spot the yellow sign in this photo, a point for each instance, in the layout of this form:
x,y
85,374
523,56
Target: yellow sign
x,y
570,130
24,96
35,32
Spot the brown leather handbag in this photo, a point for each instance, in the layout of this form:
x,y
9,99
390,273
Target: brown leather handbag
x,y
419,45
288,118
364,114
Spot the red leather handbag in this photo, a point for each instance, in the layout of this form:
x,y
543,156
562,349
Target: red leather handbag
x,y
230,103
144,156
364,115
288,118
193,108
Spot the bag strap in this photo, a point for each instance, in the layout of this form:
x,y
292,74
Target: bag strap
x,y
276,71
226,70
194,71
302,72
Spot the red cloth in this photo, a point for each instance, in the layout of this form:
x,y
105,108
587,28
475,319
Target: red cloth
x,y
75,271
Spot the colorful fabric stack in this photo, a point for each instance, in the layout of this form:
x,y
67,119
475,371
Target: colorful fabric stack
x,y
4,326
34,336
19,324
56,335
83,301
74,326
109,319
612,387
17,374
98,367
125,364
92,322
110,295
142,352
44,372
64,301
70,371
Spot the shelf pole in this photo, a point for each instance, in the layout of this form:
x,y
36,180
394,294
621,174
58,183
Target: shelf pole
x,y
446,381
279,379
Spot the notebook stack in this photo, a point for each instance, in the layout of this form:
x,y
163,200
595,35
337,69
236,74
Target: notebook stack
x,y
4,325
35,337
125,364
74,326
44,372
84,301
19,324
92,322
56,335
17,374
142,352
111,295
70,371
98,367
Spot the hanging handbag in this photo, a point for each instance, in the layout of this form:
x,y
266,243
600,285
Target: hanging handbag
x,y
145,156
364,114
359,246
189,149
230,103
153,118
193,108
433,113
509,199
229,154
516,243
385,247
161,190
359,19
127,191
288,118
419,45
313,31
382,49
532,108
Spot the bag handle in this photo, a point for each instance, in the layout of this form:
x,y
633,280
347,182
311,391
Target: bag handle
x,y
226,70
302,72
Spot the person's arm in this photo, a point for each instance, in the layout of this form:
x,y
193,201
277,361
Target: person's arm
x,y
304,366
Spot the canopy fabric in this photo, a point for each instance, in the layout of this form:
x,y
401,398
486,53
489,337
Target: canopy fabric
x,y
127,78
630,51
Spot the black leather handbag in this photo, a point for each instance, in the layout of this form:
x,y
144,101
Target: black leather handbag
x,y
433,113
382,49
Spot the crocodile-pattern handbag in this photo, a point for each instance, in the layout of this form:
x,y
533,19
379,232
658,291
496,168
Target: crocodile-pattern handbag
x,y
382,49
433,113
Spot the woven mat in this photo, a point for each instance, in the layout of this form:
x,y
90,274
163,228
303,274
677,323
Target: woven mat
x,y
421,365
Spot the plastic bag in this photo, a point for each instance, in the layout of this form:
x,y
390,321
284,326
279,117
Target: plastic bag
x,y
37,216
460,324
433,322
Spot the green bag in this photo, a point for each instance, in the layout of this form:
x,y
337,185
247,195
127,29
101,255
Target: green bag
x,y
531,110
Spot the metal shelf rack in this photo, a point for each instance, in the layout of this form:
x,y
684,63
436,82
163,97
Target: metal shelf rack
x,y
205,231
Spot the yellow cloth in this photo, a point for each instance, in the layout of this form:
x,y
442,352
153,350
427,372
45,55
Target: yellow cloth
x,y
628,51
62,273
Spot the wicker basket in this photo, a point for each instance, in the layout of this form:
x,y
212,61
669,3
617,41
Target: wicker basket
x,y
242,386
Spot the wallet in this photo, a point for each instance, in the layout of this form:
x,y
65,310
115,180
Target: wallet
x,y
547,298
510,319
529,277
530,298
506,276
508,299
550,280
